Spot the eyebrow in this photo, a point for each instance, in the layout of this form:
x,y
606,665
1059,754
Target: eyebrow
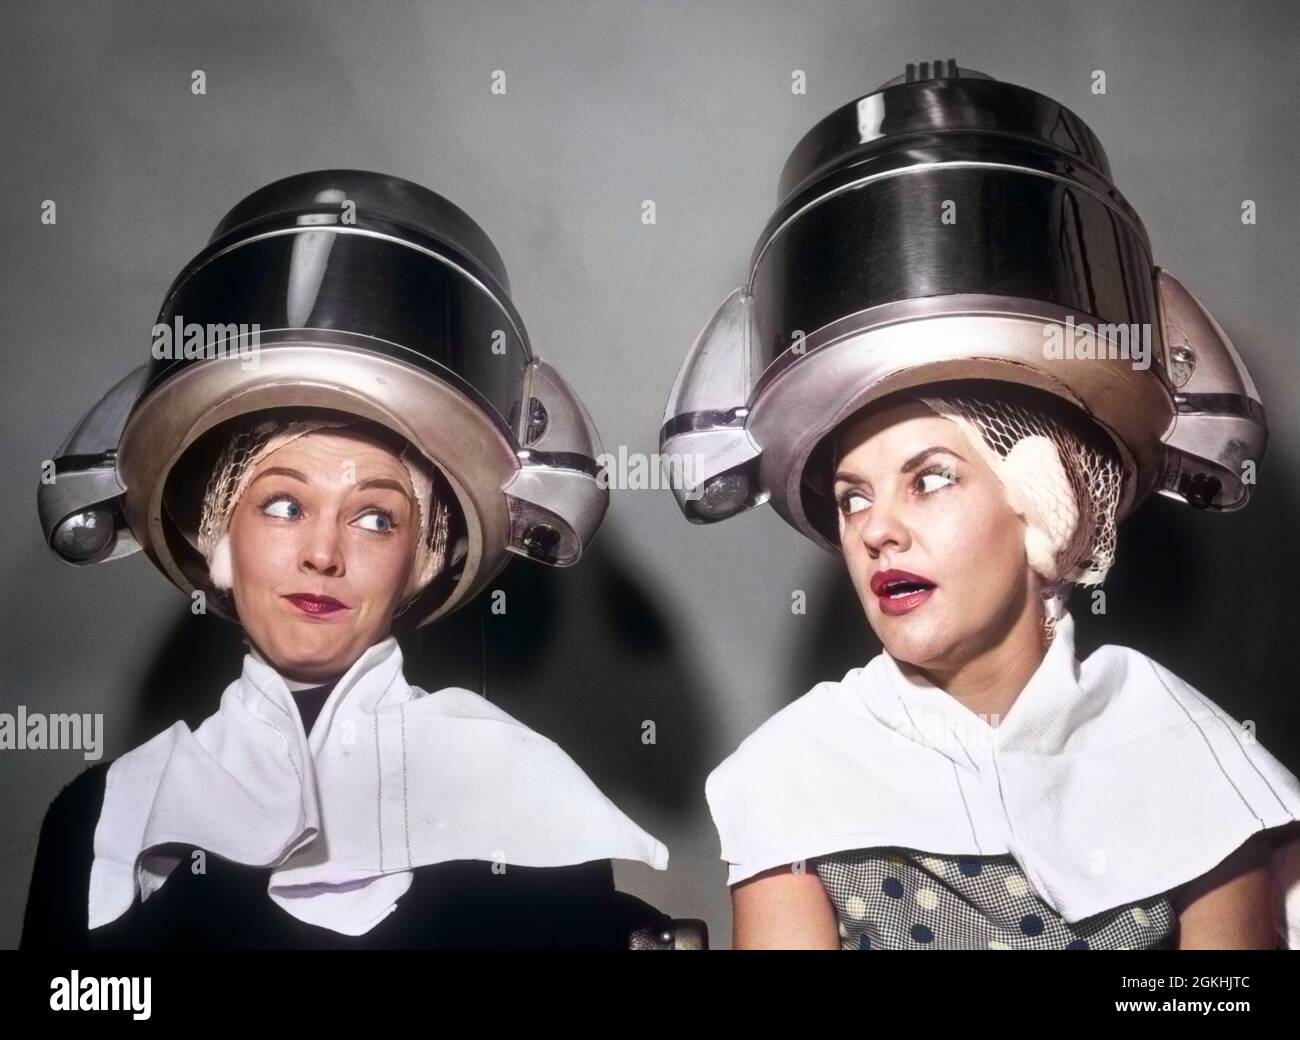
x,y
911,464
372,482
283,471
383,482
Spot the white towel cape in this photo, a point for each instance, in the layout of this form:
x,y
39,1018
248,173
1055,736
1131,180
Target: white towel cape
x,y
392,778
1109,780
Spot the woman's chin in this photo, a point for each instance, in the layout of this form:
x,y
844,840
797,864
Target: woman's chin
x,y
914,640
307,652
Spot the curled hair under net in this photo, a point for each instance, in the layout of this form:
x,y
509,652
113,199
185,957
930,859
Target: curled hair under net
x,y
1067,487
254,440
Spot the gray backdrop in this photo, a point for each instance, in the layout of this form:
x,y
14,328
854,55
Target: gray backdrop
x,y
607,104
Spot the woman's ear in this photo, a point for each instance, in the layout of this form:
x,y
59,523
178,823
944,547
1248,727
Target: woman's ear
x,y
1041,550
221,568
1039,490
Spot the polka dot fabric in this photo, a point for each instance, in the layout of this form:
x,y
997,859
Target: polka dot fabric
x,y
901,899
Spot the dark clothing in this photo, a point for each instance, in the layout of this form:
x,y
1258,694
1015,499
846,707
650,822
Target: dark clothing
x,y
456,905
310,703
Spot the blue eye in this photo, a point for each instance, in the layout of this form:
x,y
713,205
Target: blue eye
x,y
282,506
383,522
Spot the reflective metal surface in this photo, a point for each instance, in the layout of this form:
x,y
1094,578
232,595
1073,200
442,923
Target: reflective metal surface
x,y
944,187
287,258
979,104
362,294
949,226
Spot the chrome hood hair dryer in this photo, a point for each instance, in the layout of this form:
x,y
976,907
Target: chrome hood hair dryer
x,y
358,293
949,226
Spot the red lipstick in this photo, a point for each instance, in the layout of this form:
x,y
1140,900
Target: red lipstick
x,y
898,592
316,606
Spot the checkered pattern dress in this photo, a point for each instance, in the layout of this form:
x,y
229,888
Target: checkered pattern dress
x,y
901,899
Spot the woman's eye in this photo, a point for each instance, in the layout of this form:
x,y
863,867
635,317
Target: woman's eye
x,y
943,475
285,508
853,502
380,522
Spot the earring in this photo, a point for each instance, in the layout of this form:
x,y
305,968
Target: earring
x,y
1053,598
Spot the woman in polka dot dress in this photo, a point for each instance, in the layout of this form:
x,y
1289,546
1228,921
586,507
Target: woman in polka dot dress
x,y
976,786
897,377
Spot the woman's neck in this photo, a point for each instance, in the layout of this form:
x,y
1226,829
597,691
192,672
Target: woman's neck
x,y
297,685
294,685
989,682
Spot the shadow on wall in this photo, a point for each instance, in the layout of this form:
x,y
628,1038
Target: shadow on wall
x,y
582,655
1195,592
840,637
585,656
1189,589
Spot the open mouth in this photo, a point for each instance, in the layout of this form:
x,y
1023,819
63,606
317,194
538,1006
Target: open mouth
x,y
900,591
895,584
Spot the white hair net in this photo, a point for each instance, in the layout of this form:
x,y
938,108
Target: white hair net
x,y
1066,490
252,442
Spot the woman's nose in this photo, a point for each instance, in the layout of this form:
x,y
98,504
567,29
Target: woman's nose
x,y
322,552
884,527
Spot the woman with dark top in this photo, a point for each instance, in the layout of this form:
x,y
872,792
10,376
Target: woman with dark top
x,y
460,904
360,468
